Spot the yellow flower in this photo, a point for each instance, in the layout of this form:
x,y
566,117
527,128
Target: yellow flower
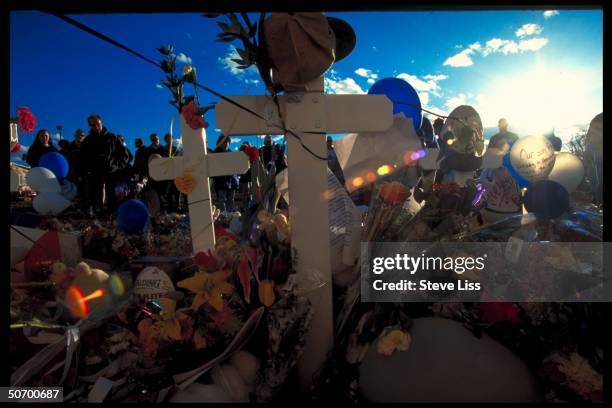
x,y
393,339
208,287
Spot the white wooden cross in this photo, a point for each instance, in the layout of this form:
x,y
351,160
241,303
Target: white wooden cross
x,y
201,166
303,112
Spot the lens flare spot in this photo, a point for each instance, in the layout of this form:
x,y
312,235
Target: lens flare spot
x,y
116,285
384,170
358,181
328,195
371,177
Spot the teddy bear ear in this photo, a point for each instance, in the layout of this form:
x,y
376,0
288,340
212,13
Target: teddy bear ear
x,y
83,268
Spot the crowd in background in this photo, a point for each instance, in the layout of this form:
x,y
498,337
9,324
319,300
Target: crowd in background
x,y
106,172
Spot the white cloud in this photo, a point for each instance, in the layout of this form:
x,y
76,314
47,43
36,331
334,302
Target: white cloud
x,y
529,29
232,66
533,44
342,86
424,98
371,81
453,102
159,86
435,77
461,59
550,13
183,58
366,73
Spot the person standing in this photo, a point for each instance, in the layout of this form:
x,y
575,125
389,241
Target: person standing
x,y
103,156
225,186
155,148
266,152
140,160
42,144
75,173
503,137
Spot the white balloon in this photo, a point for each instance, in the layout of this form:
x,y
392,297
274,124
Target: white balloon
x,y
445,362
532,157
50,203
568,171
69,190
197,392
43,180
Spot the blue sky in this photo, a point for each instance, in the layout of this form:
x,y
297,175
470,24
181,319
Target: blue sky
x,y
539,69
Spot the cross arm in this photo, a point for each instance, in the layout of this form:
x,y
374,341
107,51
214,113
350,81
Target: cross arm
x,y
306,112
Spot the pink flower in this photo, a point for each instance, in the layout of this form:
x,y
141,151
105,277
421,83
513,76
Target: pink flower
x,y
193,119
26,120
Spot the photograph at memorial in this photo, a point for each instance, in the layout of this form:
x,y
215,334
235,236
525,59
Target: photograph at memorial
x,y
307,206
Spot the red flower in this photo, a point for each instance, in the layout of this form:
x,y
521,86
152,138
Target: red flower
x,y
16,148
222,232
193,119
253,153
26,120
206,260
493,312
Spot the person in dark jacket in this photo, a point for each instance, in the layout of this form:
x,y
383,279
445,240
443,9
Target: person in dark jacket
x,y
266,152
140,160
103,159
225,186
42,144
75,173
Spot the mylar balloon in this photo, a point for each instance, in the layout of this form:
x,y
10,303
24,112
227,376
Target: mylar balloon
x,y
69,190
50,203
133,217
43,180
533,157
463,132
546,199
55,162
517,177
567,171
405,99
502,194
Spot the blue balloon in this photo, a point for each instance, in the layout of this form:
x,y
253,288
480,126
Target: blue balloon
x,y
405,99
133,217
547,199
56,163
519,180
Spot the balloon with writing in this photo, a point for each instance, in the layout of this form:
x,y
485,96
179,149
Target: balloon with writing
x,y
503,196
519,180
533,157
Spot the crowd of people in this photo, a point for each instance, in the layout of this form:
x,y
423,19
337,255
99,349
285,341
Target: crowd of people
x,y
106,172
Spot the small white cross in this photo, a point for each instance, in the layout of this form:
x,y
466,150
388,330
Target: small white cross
x,y
201,166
